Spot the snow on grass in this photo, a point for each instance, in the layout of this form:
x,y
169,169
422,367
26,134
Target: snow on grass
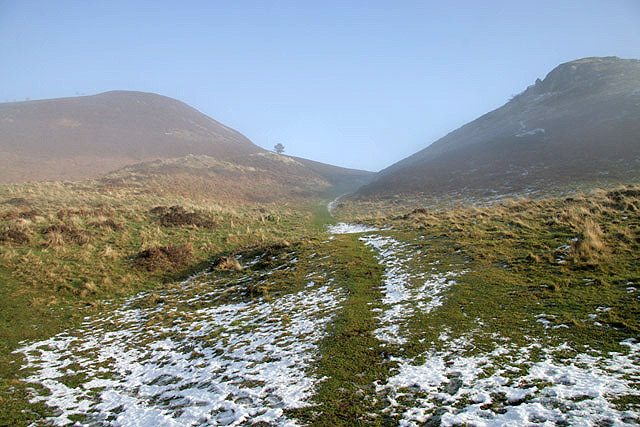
x,y
216,364
532,132
345,228
401,296
515,386
332,204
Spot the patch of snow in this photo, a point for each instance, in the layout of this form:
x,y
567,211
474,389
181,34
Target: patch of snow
x,y
515,386
345,228
332,204
402,293
532,132
219,365
545,322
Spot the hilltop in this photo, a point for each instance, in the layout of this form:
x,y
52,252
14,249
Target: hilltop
x,y
120,135
580,124
83,137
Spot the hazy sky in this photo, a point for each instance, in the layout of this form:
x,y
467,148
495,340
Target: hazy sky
x,y
354,83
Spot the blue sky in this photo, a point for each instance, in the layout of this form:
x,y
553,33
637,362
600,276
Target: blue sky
x,y
353,83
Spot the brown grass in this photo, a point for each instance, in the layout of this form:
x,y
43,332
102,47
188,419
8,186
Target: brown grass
x,y
596,226
109,253
178,215
106,223
19,202
164,257
71,234
54,240
28,214
90,286
14,236
227,263
590,246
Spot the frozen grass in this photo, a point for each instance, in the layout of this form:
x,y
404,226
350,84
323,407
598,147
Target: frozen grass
x,y
405,290
454,317
515,385
66,248
186,360
344,228
489,350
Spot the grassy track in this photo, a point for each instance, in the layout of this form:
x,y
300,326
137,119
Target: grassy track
x,y
352,359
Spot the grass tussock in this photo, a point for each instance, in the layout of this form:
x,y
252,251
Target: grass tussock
x,y
14,235
109,253
227,263
590,246
54,240
164,257
178,216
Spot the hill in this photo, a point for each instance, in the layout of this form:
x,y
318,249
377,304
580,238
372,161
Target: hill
x,y
580,124
124,134
83,137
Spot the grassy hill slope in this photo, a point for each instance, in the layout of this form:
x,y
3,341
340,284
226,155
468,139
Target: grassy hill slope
x,y
145,136
580,124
